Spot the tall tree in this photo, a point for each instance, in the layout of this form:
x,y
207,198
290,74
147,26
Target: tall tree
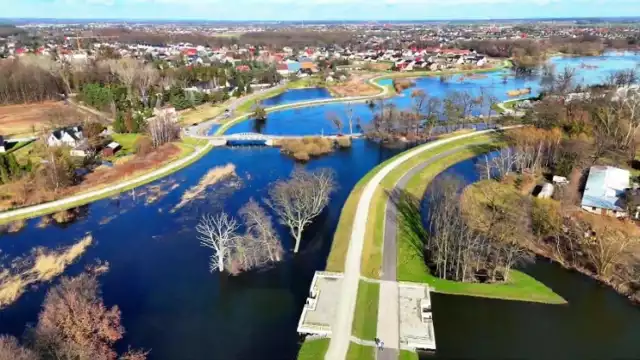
x,y
301,198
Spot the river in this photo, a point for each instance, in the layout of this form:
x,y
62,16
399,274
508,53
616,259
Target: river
x,y
597,322
173,306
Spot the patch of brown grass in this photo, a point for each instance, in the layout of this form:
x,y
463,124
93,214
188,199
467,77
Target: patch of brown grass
x,y
402,84
343,142
42,266
306,148
23,119
16,226
212,177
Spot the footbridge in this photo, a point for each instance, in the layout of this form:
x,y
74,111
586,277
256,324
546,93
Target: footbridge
x,y
250,138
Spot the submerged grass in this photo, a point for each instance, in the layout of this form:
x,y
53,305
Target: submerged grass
x,y
212,177
41,266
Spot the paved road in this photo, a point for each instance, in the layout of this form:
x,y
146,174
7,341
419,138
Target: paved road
x,y
204,126
55,205
388,312
383,93
341,328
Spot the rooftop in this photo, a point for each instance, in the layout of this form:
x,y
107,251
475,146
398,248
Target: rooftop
x,y
605,187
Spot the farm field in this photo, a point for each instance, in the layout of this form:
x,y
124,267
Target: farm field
x,y
25,119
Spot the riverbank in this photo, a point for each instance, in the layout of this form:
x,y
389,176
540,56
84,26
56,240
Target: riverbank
x,y
411,267
386,91
191,151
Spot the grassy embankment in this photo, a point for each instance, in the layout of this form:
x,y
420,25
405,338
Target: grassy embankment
x,y
313,349
187,146
365,319
361,352
411,265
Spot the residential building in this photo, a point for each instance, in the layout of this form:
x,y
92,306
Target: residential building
x,y
70,136
605,189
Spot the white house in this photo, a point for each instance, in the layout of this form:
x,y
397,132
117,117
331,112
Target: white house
x,y
604,192
2,148
70,136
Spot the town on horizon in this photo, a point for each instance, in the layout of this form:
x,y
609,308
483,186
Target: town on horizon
x,y
319,189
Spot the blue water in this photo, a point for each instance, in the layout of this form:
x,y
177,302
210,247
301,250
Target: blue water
x,y
297,95
597,323
159,274
314,120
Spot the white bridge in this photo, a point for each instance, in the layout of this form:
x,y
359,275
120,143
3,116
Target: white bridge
x,y
222,140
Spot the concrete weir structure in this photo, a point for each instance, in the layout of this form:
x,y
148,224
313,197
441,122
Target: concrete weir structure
x,y
414,311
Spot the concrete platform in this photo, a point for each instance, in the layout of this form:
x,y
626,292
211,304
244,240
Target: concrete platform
x,y
416,322
320,309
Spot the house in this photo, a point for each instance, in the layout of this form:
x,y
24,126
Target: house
x,y
282,69
70,136
111,149
2,148
293,66
308,67
604,191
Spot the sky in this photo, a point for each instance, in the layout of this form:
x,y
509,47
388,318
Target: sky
x,y
316,9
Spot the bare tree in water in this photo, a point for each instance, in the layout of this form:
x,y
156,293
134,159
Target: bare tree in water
x,y
299,199
219,234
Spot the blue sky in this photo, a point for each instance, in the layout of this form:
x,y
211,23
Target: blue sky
x,y
317,9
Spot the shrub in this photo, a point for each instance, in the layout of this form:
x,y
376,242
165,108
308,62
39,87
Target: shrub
x,y
143,145
343,142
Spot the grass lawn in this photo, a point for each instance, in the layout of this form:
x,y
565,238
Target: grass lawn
x,y
372,251
365,319
201,113
411,266
408,355
313,349
127,141
361,352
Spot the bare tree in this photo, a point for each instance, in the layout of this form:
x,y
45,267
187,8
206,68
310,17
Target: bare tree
x,y
75,324
60,69
335,121
298,200
163,129
348,109
218,233
126,69
146,76
259,227
10,349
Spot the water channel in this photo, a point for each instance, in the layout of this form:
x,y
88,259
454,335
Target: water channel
x,y
173,306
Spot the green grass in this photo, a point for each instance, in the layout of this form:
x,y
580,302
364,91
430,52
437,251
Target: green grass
x,y
313,349
411,265
127,141
365,319
408,355
361,352
372,252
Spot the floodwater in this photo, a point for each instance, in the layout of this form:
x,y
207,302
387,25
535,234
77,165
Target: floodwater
x,y
597,323
315,120
172,305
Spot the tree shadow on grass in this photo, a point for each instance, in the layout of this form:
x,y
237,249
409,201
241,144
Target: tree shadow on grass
x,y
409,219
